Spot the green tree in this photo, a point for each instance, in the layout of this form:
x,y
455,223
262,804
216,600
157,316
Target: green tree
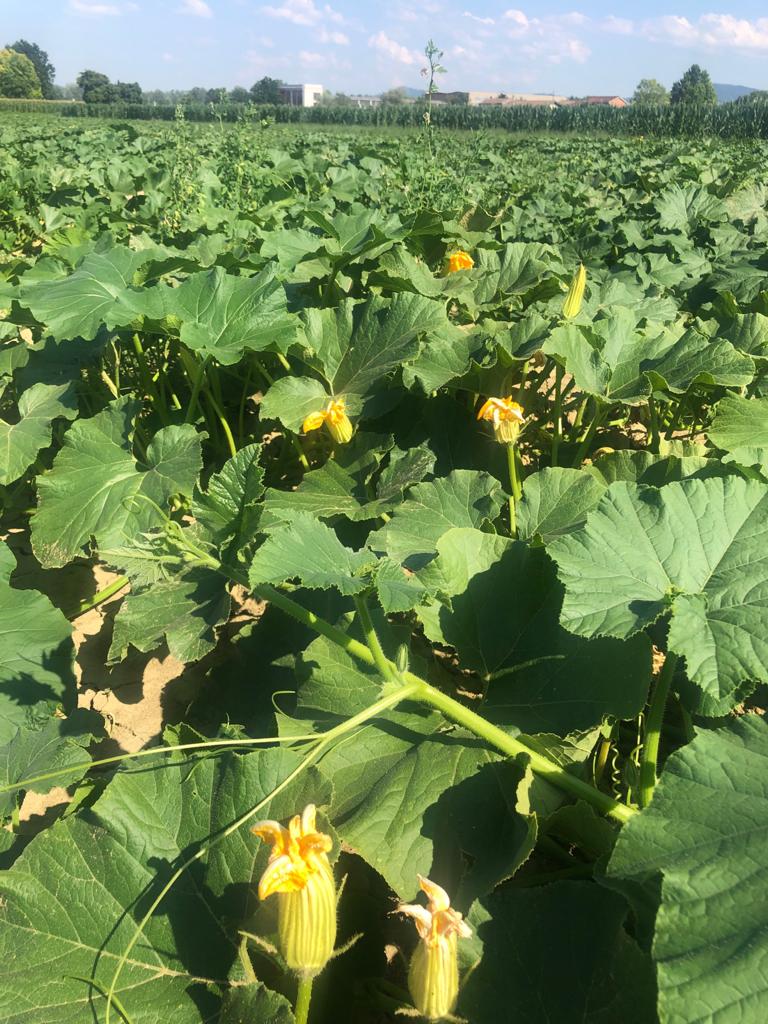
x,y
45,70
266,90
239,95
650,93
393,96
694,87
129,91
96,87
18,78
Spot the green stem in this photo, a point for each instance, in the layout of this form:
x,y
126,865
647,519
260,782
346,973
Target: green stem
x,y
148,383
371,636
557,413
197,377
515,488
654,415
586,443
99,598
223,421
303,999
650,753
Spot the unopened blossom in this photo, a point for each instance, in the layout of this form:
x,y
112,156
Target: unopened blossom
x,y
299,872
575,295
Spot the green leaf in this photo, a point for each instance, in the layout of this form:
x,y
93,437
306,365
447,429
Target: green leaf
x,y
95,488
115,856
309,551
512,271
556,501
705,832
504,624
398,590
692,548
36,652
682,208
463,498
558,954
185,609
36,750
255,1004
291,399
228,509
223,316
100,291
325,492
20,442
740,427
356,345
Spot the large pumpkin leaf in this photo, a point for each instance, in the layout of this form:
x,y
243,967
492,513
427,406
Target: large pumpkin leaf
x,y
502,618
695,549
96,486
60,943
36,652
223,316
100,291
705,832
740,427
601,976
463,498
20,442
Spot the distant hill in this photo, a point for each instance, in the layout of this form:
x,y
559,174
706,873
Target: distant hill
x,y
728,93
411,93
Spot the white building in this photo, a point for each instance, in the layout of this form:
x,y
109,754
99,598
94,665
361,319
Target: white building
x,y
301,95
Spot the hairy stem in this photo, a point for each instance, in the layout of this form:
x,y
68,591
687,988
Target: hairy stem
x,y
371,636
650,753
303,999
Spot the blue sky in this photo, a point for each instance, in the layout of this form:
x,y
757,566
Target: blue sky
x,y
589,47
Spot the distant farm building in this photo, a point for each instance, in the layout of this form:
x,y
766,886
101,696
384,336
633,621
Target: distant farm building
x,y
501,99
605,101
301,95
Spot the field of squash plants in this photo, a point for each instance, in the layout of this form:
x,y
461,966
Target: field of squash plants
x,y
441,460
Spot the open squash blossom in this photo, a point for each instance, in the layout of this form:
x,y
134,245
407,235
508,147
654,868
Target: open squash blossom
x,y
300,873
460,260
433,977
506,417
575,295
334,416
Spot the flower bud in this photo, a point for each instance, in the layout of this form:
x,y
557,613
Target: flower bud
x,y
299,872
506,417
575,295
433,976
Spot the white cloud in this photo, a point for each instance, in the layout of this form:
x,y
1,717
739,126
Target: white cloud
x,y
312,60
168,58
549,38
94,9
711,32
394,50
618,26
303,12
197,8
482,21
334,37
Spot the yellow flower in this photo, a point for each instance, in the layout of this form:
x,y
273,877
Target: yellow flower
x,y
575,295
300,872
334,416
460,260
433,977
506,417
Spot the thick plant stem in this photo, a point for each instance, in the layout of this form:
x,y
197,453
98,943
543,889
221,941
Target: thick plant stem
x,y
650,752
303,999
457,712
197,377
514,487
557,414
586,443
103,595
223,422
371,636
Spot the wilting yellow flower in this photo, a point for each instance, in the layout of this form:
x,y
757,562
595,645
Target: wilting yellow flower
x,y
300,873
575,295
506,417
460,260
334,416
433,977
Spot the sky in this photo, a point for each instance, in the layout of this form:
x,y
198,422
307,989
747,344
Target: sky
x,y
358,46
